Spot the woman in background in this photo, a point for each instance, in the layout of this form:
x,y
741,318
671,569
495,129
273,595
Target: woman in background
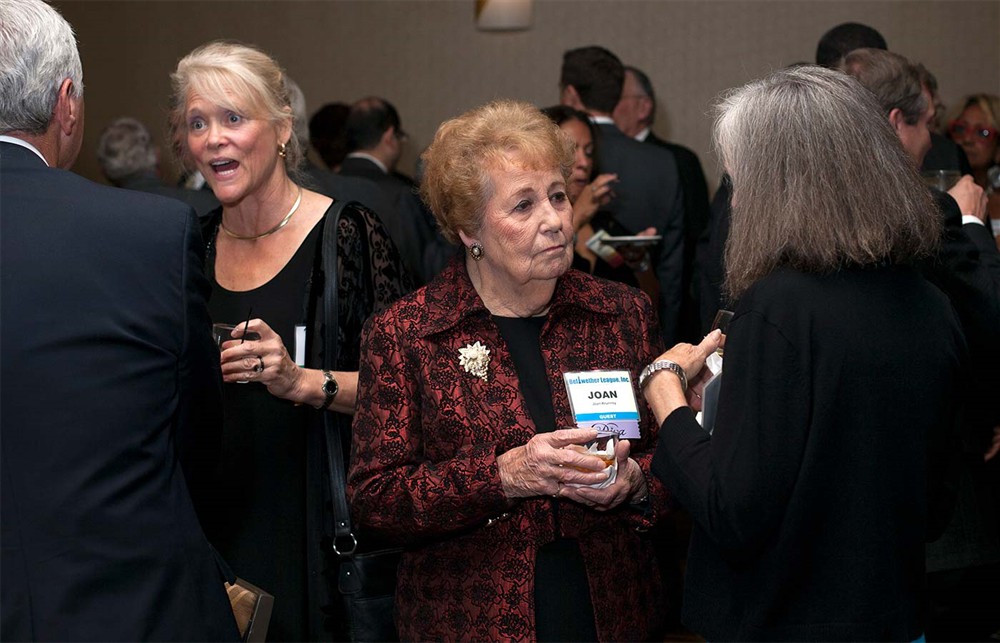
x,y
977,130
626,264
810,499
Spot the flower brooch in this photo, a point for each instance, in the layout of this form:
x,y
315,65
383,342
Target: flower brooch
x,y
475,359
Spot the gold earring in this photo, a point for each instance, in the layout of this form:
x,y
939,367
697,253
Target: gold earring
x,y
282,150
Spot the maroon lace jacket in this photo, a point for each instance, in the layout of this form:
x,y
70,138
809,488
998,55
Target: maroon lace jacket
x,y
424,471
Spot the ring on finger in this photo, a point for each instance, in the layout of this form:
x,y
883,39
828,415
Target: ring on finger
x,y
259,368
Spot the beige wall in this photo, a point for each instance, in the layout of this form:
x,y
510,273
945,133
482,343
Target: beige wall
x,y
428,59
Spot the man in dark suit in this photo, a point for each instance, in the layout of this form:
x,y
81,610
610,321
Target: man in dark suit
x,y
648,193
634,116
345,188
129,160
375,143
967,269
110,380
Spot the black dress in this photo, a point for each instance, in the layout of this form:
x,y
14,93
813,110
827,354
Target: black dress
x,y
269,514
563,607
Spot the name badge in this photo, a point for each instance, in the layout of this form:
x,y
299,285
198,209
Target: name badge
x,y
300,345
604,400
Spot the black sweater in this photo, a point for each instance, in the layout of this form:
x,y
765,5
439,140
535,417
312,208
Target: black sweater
x,y
810,499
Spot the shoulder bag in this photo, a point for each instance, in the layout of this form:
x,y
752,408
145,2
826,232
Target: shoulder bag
x,y
367,581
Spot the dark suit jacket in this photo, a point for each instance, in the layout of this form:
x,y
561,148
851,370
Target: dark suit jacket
x,y
694,188
203,201
710,257
967,269
110,385
413,229
649,194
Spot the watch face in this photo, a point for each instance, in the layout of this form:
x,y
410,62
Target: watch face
x,y
330,386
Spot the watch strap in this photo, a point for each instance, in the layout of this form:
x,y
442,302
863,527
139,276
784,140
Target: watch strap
x,y
663,365
330,396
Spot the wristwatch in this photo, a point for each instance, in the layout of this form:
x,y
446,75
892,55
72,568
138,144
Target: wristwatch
x,y
663,365
330,389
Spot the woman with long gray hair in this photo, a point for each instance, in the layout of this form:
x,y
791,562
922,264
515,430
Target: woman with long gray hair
x,y
810,498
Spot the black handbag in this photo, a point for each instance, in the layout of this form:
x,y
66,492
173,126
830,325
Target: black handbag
x,y
367,581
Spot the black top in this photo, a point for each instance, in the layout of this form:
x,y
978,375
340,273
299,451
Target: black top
x,y
563,607
261,528
810,499
272,511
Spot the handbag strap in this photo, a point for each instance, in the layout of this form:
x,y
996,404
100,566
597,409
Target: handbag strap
x,y
344,542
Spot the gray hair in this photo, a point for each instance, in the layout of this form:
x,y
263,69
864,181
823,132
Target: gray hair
x,y
646,86
37,53
300,120
820,179
125,148
896,82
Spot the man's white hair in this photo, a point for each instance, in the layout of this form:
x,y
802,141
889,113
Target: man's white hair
x,y
37,53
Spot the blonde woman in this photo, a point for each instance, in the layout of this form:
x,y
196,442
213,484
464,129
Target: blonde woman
x,y
232,121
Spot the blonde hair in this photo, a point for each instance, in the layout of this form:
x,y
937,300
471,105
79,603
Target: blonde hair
x,y
456,183
989,103
237,77
820,179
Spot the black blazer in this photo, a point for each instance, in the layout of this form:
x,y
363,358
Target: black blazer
x,y
411,227
694,189
648,193
109,385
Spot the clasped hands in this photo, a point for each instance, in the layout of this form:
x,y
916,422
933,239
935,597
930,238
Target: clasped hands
x,y
542,467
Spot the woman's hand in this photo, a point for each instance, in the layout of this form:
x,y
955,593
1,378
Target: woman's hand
x,y
595,195
629,486
637,257
663,390
542,466
264,360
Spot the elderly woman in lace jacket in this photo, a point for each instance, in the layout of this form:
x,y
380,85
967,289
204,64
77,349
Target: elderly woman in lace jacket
x,y
458,450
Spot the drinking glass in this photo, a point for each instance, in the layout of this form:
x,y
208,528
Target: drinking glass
x,y
604,446
224,333
943,180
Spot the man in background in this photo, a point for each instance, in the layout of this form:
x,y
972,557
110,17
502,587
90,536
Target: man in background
x,y
326,133
109,384
964,564
634,116
129,160
841,40
375,140
648,193
845,38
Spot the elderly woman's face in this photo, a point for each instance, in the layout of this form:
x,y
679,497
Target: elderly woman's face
x,y
235,153
527,230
